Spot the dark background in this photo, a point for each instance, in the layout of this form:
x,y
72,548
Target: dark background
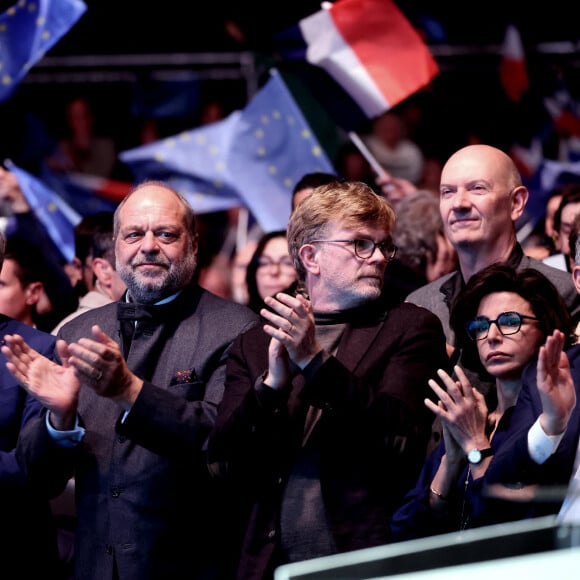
x,y
129,26
119,50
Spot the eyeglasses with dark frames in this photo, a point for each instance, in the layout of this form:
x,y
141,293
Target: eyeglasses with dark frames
x,y
365,248
506,322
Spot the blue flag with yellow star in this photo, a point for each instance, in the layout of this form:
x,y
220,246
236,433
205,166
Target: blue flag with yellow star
x,y
29,29
56,216
251,158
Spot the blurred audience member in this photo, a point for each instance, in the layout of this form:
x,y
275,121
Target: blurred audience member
x,y
99,267
239,267
271,269
21,285
424,252
394,189
149,131
31,288
306,184
551,208
388,142
567,209
216,276
12,200
211,111
29,545
82,150
80,270
431,177
537,245
351,164
223,232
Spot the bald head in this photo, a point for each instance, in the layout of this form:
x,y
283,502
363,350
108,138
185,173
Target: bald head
x,y
481,198
484,157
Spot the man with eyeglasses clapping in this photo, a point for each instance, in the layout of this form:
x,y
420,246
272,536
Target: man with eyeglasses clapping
x,y
323,427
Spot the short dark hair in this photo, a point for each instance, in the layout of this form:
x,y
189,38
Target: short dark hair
x,y
313,180
86,230
546,302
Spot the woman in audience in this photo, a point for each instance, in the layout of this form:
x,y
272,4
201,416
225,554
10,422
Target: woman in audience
x,y
501,318
270,270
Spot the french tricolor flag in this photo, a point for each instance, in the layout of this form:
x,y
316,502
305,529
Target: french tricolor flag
x,y
513,72
370,49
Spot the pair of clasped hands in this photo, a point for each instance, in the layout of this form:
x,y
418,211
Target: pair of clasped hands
x,y
464,413
96,363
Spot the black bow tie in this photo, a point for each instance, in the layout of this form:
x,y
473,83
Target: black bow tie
x,y
141,312
148,316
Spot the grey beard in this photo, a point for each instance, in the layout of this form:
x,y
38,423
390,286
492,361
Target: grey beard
x,y
177,278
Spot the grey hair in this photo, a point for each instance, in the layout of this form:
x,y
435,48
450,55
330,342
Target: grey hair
x,y
416,229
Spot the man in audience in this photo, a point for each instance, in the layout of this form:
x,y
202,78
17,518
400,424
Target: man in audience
x,y
481,199
29,546
306,184
129,410
98,268
323,425
80,270
21,281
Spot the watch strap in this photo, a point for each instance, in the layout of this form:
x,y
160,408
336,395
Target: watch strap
x,y
483,453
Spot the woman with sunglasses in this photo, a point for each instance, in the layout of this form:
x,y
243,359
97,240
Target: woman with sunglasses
x,y
500,319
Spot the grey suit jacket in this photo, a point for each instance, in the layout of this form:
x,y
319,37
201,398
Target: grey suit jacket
x,y
438,296
144,499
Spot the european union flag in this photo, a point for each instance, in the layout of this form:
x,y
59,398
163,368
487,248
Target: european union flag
x,y
56,216
252,158
81,191
27,31
192,163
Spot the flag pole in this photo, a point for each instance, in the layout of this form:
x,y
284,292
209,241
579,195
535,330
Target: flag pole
x,y
242,231
373,162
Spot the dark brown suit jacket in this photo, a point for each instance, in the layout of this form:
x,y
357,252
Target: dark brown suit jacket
x,y
371,436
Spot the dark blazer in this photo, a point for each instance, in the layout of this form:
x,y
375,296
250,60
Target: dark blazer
x,y
468,504
143,495
371,435
513,465
28,543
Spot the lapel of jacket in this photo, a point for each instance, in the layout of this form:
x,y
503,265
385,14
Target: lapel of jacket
x,y
356,342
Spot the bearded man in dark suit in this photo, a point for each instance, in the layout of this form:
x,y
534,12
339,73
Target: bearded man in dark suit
x,y
132,404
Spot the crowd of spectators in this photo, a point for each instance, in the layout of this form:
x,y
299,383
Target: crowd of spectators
x,y
443,223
